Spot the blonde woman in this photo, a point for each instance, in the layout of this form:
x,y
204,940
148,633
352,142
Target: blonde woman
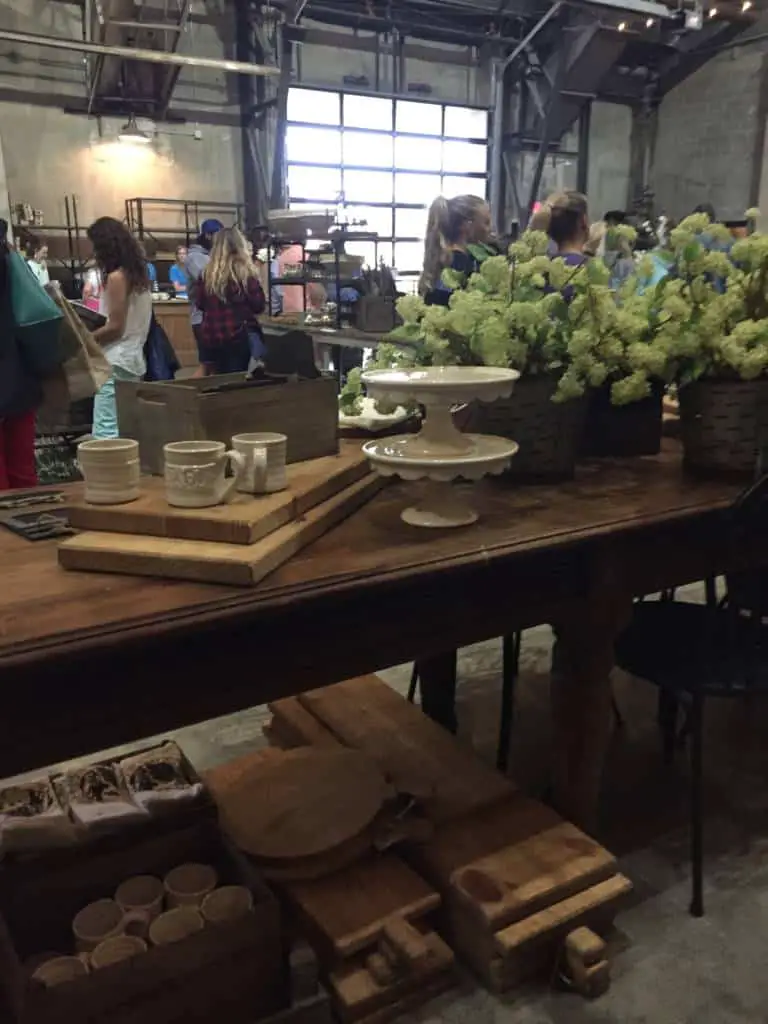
x,y
230,298
453,225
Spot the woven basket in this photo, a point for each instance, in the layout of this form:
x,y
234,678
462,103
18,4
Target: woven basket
x,y
549,433
723,425
622,430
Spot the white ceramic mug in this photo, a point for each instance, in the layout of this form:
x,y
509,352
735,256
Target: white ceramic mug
x,y
264,456
111,471
227,904
102,920
142,894
189,884
195,473
175,925
59,970
115,950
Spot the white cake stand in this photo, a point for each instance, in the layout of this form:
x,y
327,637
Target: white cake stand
x,y
440,453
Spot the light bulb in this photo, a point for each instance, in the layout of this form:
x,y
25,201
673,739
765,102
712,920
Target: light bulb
x,y
746,5
622,26
712,12
649,23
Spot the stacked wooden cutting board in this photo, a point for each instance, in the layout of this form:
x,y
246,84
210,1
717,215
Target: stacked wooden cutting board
x,y
457,861
238,543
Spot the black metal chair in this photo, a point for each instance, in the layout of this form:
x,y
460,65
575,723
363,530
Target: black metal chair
x,y
509,673
695,651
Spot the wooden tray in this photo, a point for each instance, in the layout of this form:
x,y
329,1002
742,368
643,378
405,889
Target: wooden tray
x,y
241,565
244,520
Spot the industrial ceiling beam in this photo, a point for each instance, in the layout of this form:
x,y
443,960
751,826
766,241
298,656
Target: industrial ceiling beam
x,y
131,53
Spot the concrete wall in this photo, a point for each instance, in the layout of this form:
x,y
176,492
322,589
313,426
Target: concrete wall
x,y
49,153
608,166
709,145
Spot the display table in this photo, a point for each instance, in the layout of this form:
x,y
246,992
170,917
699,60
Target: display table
x,y
173,317
88,661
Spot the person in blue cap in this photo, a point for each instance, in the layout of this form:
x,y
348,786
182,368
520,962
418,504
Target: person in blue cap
x,y
198,255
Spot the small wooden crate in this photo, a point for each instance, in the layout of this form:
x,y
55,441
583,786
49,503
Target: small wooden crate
x,y
234,972
211,409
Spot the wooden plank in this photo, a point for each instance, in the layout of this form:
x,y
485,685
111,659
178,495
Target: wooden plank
x,y
238,564
357,994
348,911
416,754
293,726
520,880
556,921
244,520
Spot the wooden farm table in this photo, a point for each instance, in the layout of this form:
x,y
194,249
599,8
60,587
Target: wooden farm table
x,y
88,661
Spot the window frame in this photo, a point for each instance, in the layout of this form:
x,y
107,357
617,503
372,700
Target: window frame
x,y
392,238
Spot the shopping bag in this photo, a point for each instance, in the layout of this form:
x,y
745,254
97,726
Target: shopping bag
x,y
37,318
77,379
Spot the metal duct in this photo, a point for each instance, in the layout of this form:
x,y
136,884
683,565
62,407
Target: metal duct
x,y
130,53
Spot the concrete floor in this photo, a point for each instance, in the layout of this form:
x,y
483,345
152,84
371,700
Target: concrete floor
x,y
668,968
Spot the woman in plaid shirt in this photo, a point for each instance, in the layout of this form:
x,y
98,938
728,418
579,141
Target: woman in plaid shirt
x,y
230,298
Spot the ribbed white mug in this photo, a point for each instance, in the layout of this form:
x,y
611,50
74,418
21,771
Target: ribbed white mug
x,y
111,470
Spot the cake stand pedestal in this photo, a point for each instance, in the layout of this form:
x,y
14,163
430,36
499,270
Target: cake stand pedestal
x,y
439,453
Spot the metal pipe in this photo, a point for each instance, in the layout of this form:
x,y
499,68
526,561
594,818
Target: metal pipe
x,y
129,53
528,39
582,165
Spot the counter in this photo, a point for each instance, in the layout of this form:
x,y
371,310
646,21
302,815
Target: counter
x,y
173,317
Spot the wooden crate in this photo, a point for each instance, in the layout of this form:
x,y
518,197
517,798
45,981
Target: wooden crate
x,y
209,408
235,972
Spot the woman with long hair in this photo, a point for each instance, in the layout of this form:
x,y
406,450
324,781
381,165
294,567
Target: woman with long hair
x,y
230,297
20,391
126,302
452,226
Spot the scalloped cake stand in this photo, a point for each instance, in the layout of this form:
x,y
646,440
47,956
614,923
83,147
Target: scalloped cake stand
x,y
439,453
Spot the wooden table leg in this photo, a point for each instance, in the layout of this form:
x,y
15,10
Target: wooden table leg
x,y
581,694
437,685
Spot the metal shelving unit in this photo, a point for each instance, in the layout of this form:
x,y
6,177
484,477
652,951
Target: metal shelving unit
x,y
73,258
142,212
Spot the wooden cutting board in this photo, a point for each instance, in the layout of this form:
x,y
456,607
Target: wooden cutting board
x,y
244,520
301,803
417,755
205,561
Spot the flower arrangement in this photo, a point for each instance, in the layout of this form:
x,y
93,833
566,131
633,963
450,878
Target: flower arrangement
x,y
710,315
539,316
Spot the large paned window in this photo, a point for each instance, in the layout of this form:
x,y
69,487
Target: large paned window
x,y
384,161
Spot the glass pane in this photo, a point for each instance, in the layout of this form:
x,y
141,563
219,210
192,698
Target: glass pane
x,y
313,145
465,157
419,154
416,188
368,186
378,218
314,106
407,285
367,112
465,123
422,118
409,257
370,252
455,185
410,223
314,182
367,149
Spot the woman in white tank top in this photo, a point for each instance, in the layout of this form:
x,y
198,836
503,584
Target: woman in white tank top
x,y
126,302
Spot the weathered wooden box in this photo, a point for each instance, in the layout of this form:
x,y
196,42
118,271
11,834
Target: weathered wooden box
x,y
216,408
234,972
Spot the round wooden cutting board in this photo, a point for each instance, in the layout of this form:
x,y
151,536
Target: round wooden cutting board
x,y
305,803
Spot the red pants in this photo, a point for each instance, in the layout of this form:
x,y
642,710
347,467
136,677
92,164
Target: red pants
x,y
17,451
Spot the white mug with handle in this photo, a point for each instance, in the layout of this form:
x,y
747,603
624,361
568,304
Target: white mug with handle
x,y
195,473
264,456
